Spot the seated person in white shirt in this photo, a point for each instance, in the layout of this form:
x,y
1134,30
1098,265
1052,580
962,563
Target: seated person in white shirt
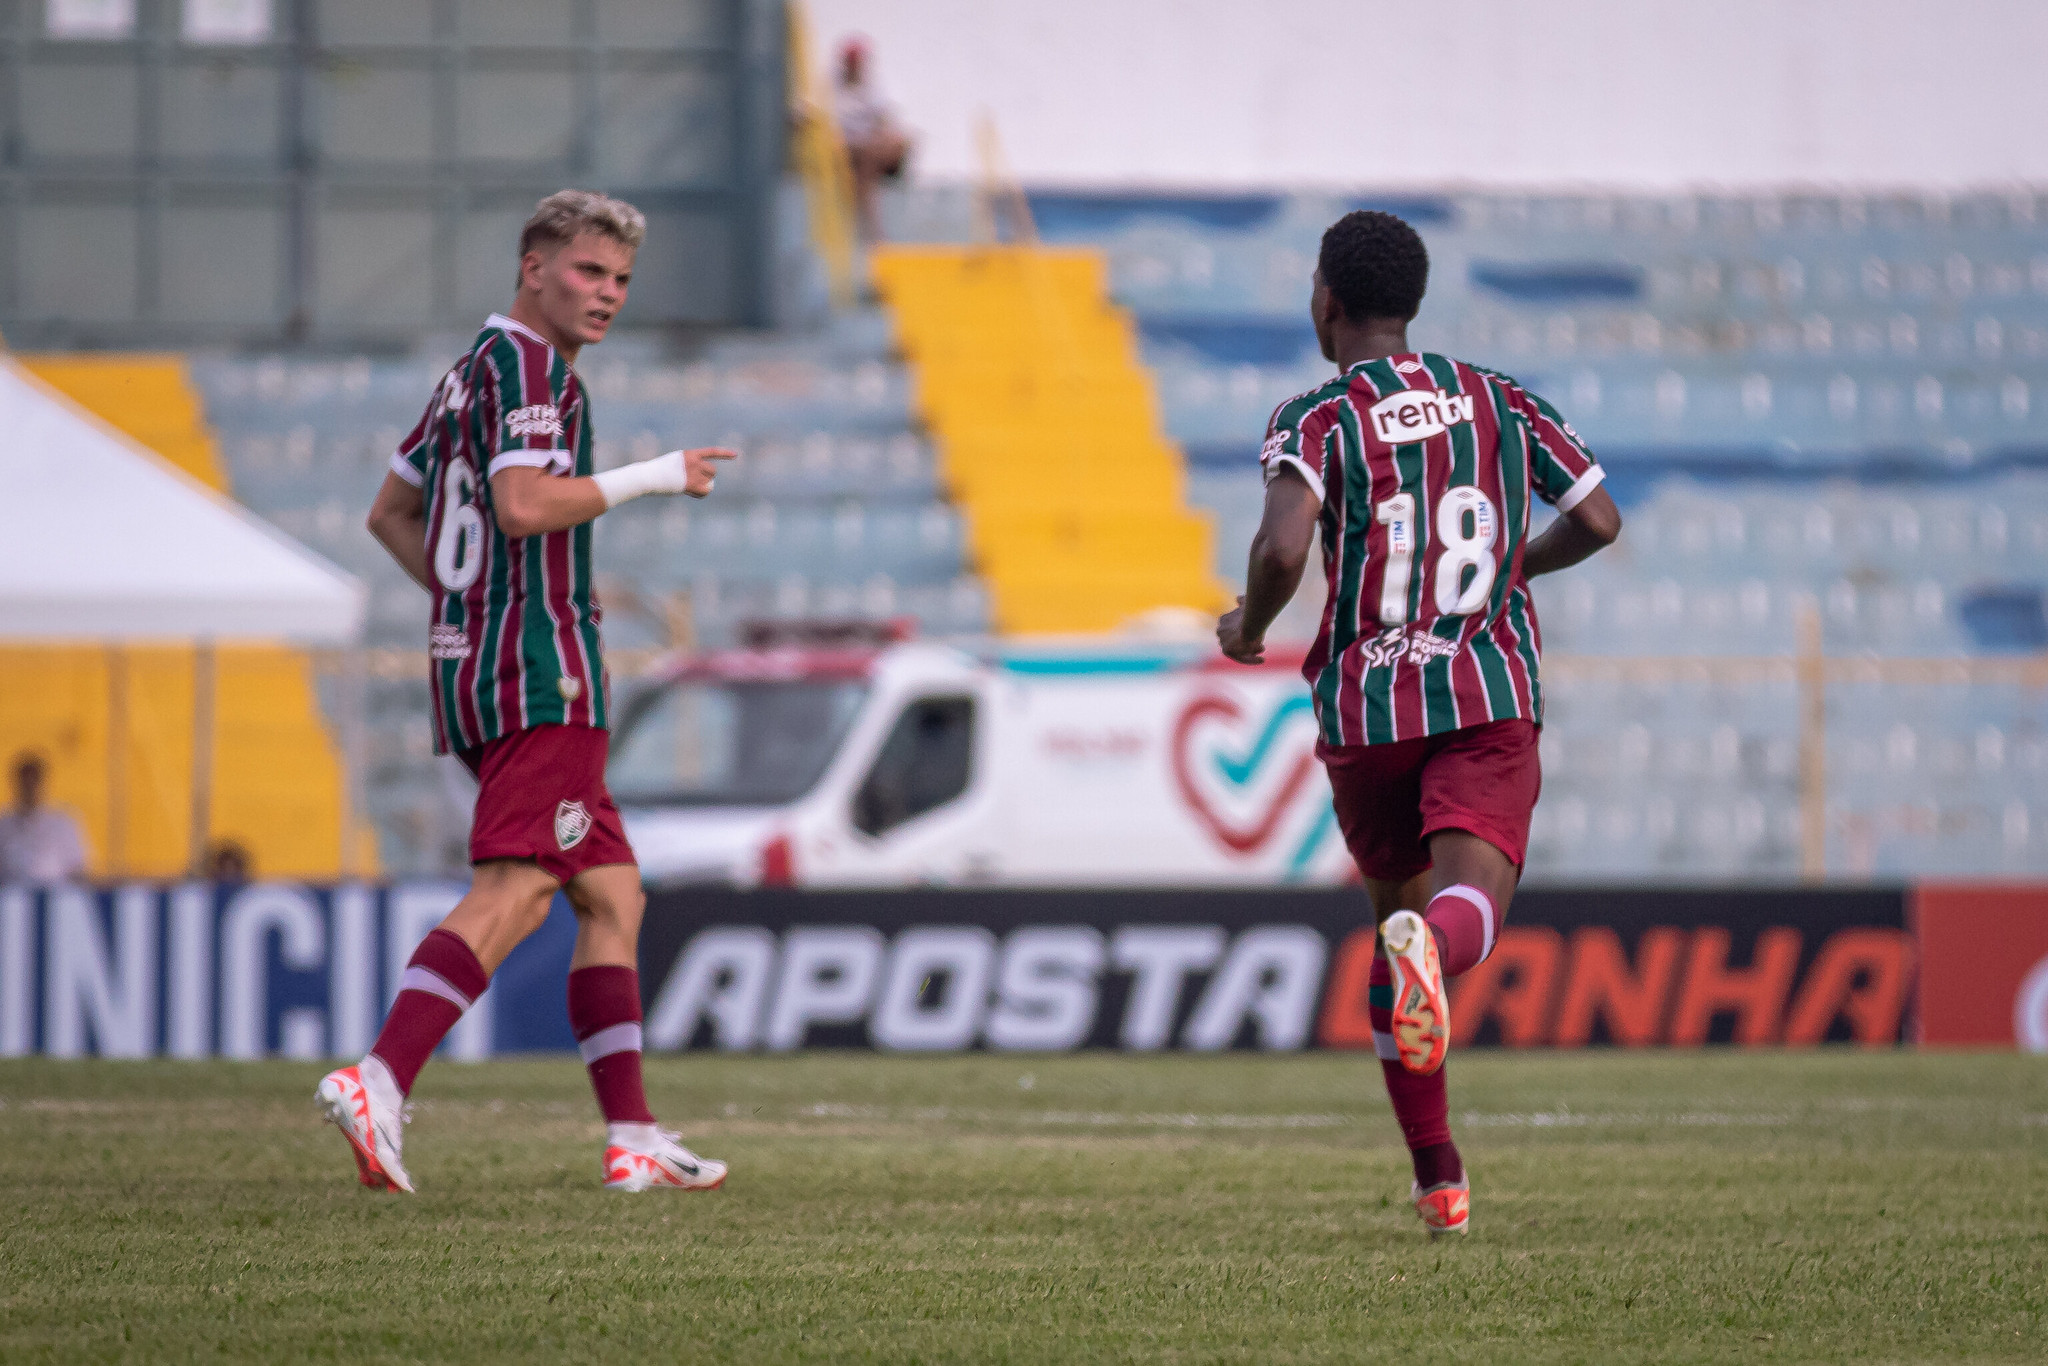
x,y
38,843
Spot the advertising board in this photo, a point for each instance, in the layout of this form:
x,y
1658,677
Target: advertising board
x,y
1984,965
279,969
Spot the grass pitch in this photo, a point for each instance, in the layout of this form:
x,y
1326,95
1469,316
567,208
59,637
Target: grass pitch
x,y
1628,1207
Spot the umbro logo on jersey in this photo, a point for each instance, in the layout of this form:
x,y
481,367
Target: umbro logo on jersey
x,y
1415,414
572,823
541,419
1408,367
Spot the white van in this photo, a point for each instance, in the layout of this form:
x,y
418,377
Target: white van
x,y
910,763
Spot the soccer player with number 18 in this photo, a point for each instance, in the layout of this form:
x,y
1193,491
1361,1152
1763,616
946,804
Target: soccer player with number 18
x,y
488,505
1419,470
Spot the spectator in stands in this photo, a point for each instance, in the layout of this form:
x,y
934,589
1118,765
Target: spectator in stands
x,y
38,843
227,861
876,147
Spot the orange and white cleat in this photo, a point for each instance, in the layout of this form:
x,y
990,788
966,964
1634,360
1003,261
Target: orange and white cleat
x,y
1445,1207
1422,1008
640,1157
373,1124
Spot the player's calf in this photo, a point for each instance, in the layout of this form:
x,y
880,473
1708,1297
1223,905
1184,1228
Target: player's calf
x,y
1463,921
367,1101
604,1013
1422,1108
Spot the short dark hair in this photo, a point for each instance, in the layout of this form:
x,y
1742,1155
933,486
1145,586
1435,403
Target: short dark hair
x,y
1375,264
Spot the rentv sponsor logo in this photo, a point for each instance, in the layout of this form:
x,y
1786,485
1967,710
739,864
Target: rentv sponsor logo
x,y
1414,415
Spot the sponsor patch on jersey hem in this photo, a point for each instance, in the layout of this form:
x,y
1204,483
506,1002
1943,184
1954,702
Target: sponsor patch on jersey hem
x,y
1395,643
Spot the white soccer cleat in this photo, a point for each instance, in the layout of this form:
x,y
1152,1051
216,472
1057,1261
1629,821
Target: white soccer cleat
x,y
641,1156
1422,1008
373,1126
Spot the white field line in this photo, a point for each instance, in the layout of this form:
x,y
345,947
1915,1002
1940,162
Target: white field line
x,y
1077,1118
1572,1119
1108,1119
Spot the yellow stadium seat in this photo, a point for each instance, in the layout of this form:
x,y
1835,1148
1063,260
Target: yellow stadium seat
x,y
116,724
148,396
1049,435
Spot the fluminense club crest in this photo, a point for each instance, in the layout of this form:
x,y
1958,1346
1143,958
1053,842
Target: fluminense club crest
x,y
572,823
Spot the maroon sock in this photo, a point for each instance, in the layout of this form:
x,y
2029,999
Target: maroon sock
x,y
1422,1105
1463,920
442,980
604,1012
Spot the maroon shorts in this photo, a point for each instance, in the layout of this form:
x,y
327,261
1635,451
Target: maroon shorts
x,y
1392,798
541,796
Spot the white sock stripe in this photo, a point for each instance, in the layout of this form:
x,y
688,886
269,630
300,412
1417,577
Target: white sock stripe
x,y
433,983
1483,903
618,1038
1383,1044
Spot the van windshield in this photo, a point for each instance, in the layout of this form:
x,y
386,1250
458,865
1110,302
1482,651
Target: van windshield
x,y
712,742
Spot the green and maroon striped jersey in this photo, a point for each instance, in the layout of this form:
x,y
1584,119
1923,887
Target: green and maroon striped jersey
x,y
1426,467
513,638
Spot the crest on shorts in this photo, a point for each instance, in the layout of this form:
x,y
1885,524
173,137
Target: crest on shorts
x,y
572,823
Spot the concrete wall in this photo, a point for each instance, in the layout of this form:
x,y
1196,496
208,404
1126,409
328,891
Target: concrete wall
x,y
1627,93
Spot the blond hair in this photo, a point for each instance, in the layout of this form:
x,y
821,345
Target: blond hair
x,y
562,215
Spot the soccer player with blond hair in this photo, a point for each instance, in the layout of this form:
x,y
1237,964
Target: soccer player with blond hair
x,y
488,505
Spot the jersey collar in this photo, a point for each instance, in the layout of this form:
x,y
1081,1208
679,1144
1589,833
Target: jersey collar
x,y
1360,365
514,325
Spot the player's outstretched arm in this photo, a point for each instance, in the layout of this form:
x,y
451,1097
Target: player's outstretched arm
x,y
1592,525
531,502
1279,554
398,519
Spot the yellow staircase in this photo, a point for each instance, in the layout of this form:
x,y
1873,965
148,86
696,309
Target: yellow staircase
x,y
1048,435
116,724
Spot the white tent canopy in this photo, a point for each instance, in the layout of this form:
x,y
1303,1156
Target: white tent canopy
x,y
102,540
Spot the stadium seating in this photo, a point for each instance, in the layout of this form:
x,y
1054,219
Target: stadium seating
x,y
116,724
150,397
1800,400
834,510
1031,385
1804,399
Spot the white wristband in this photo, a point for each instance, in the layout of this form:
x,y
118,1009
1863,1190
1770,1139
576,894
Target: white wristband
x,y
663,474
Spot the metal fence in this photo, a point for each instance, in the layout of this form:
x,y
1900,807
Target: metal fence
x,y
354,172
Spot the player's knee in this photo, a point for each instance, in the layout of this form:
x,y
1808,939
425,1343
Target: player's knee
x,y
518,895
620,907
